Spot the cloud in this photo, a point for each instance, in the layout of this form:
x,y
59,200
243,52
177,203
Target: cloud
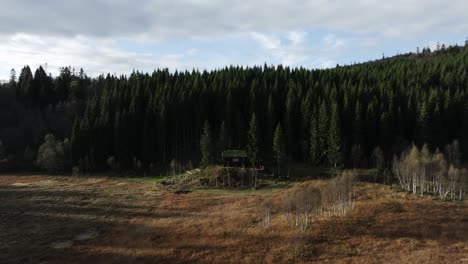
x,y
332,42
209,34
156,19
324,63
296,37
268,42
277,50
95,55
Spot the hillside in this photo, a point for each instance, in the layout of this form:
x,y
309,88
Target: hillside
x,y
145,121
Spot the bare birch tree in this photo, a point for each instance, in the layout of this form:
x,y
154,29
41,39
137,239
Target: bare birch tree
x,y
264,212
423,172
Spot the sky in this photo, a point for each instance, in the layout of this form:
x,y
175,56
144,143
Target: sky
x,y
119,36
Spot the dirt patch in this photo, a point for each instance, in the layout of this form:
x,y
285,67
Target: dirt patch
x,y
20,184
62,245
90,234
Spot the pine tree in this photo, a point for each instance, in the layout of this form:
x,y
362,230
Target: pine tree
x,y
322,138
149,138
252,141
292,120
385,135
24,88
206,146
358,135
422,133
279,149
334,154
307,112
63,83
229,120
371,128
222,142
270,127
42,91
314,150
437,130
12,81
76,144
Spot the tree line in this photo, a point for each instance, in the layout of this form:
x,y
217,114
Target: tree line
x,y
343,116
421,172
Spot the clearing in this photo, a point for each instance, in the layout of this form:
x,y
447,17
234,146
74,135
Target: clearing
x,y
45,219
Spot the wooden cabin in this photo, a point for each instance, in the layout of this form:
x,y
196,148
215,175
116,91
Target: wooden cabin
x,y
234,158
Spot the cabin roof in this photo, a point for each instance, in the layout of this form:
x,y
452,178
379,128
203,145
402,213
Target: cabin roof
x,y
234,153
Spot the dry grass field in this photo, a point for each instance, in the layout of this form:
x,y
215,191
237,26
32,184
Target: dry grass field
x,y
47,219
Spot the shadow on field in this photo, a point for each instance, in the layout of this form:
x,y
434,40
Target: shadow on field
x,y
38,224
441,222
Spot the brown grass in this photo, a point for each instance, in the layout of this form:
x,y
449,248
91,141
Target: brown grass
x,y
50,219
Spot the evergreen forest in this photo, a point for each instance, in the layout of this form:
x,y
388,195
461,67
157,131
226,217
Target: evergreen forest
x,y
345,116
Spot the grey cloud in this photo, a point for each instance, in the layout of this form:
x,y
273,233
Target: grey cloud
x,y
70,18
160,19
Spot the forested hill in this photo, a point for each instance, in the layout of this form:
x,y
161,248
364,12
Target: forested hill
x,y
334,116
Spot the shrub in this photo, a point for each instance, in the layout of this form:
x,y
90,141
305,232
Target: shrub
x,y
51,155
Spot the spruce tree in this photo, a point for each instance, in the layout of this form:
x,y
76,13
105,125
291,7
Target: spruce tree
x,y
252,141
206,146
222,140
307,112
24,87
334,154
270,127
149,138
422,133
291,119
322,138
76,144
314,150
279,149
12,81
358,134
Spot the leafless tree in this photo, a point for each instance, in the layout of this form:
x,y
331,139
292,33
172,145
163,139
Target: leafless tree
x,y
453,153
264,212
312,203
301,205
288,206
338,195
420,171
306,203
378,157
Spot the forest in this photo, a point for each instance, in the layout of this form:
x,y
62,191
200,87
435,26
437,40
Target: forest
x,y
359,115
357,163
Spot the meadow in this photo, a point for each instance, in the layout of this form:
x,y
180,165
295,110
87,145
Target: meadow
x,y
60,219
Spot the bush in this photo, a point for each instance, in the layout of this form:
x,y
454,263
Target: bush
x,y
113,164
306,203
76,171
51,155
